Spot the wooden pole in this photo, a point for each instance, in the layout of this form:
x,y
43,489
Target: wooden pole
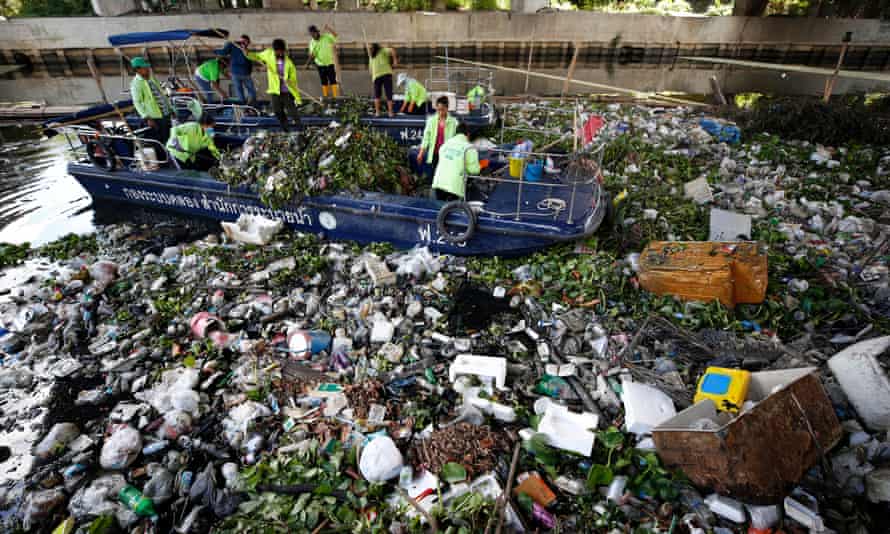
x,y
528,69
829,83
634,93
91,63
718,93
571,73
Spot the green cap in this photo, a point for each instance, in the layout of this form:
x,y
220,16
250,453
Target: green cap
x,y
139,62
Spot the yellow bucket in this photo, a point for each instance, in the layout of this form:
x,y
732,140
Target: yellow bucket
x,y
516,165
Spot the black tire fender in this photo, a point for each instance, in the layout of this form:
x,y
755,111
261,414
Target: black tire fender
x,y
453,207
108,162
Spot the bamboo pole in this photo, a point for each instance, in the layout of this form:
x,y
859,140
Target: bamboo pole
x,y
634,93
528,69
571,73
803,69
829,83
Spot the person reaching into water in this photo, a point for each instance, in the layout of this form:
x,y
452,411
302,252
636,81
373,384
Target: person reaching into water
x,y
192,144
381,63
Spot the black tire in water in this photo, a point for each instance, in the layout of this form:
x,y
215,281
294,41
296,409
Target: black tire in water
x,y
456,206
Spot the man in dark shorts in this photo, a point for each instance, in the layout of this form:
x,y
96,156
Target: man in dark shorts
x,y
321,50
381,62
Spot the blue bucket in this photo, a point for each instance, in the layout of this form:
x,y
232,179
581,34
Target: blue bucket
x,y
534,171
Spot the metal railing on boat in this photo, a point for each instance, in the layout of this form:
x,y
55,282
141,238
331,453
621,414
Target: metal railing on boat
x,y
112,145
192,105
564,170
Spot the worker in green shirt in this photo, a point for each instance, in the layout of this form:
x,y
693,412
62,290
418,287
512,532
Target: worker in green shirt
x,y
321,50
415,95
457,158
151,103
282,81
381,62
192,144
476,96
439,128
207,76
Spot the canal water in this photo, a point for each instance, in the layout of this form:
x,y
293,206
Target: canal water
x,y
39,201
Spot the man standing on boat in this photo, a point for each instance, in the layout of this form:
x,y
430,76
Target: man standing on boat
x,y
457,158
439,128
321,50
241,69
207,77
192,144
150,102
415,95
282,81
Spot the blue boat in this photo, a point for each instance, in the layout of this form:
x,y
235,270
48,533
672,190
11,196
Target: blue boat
x,y
502,215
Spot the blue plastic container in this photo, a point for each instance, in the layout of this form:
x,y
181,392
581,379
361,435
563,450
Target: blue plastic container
x,y
534,171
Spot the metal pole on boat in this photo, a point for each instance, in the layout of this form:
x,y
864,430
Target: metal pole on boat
x,y
528,70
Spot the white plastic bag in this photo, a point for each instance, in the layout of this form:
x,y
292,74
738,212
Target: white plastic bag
x,y
381,460
121,449
252,229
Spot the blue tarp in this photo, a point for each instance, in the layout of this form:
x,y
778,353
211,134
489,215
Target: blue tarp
x,y
136,38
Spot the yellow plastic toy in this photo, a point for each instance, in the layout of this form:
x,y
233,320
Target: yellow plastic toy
x,y
728,388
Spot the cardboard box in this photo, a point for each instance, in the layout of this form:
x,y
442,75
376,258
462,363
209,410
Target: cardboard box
x,y
731,272
759,455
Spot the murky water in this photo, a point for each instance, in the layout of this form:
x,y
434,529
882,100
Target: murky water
x,y
39,201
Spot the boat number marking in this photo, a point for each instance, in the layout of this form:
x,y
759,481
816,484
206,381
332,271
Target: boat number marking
x,y
426,234
411,134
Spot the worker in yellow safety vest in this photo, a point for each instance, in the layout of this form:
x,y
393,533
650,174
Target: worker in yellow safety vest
x,y
192,144
321,51
415,95
457,158
150,102
282,81
439,128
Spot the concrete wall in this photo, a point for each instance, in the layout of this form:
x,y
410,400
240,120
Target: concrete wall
x,y
265,25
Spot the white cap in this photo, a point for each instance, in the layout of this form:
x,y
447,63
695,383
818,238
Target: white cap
x,y
401,79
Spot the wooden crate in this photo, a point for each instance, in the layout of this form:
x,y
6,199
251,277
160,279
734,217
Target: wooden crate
x,y
759,455
733,273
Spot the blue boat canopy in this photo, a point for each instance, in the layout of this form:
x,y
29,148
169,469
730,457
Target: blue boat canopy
x,y
135,38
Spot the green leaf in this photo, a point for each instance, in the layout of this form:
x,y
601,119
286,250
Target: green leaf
x,y
102,524
453,472
611,438
599,475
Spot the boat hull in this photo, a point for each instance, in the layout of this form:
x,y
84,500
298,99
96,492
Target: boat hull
x,y
365,217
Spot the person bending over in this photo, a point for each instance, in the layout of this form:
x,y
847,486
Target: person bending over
x,y
192,144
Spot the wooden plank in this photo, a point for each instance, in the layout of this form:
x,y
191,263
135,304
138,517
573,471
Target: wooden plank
x,y
634,93
7,69
803,69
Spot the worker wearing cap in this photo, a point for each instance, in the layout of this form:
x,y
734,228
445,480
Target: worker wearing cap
x,y
207,76
150,102
192,144
321,51
457,158
439,128
282,81
415,94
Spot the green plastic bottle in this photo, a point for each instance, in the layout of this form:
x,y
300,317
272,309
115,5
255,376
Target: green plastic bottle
x,y
133,499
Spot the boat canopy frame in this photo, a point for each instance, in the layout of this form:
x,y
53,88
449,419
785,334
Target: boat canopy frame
x,y
78,137
179,43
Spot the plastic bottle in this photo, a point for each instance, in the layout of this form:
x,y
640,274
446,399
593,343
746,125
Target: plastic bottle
x,y
133,499
693,500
